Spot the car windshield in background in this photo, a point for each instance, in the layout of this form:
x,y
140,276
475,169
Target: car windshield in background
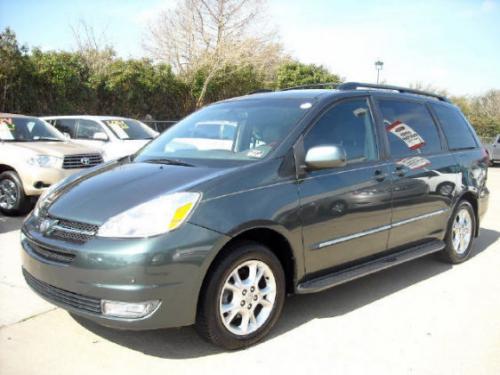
x,y
127,129
27,129
236,130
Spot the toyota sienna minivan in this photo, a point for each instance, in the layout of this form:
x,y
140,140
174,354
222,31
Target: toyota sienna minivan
x,y
319,187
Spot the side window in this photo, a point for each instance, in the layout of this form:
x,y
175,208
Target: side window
x,y
455,128
87,128
410,128
65,126
348,124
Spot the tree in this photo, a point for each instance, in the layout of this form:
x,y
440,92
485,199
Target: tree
x,y
14,71
95,50
297,74
61,83
138,87
210,35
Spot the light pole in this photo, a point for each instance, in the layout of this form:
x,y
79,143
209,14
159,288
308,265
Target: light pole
x,y
378,65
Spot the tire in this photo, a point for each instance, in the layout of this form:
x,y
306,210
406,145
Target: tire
x,y
221,289
456,251
13,201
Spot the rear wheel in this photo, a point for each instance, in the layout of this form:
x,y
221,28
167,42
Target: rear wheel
x,y
460,236
243,297
13,201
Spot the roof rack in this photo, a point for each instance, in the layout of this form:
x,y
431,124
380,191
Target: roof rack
x,y
403,90
312,86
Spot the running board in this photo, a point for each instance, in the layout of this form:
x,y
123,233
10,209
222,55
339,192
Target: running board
x,y
357,271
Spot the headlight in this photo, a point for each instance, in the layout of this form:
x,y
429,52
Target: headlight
x,y
160,215
45,161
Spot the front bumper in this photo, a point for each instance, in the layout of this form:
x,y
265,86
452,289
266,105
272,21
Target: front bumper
x,y
33,177
169,268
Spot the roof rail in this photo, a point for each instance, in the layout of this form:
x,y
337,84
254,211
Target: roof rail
x,y
259,91
312,86
403,90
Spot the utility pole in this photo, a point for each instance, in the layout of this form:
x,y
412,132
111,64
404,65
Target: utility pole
x,y
378,65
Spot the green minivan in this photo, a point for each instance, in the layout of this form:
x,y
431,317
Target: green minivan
x,y
251,199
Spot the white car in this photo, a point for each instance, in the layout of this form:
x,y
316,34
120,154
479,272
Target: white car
x,y
114,136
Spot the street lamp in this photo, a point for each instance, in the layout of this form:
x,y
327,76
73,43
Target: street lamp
x,y
378,65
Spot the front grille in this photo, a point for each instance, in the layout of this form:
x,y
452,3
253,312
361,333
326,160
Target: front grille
x,y
62,296
74,231
81,161
58,256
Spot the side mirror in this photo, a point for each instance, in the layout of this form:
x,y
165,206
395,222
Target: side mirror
x,y
67,135
100,136
324,157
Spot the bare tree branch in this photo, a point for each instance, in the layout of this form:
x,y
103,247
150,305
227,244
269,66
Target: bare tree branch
x,y
212,34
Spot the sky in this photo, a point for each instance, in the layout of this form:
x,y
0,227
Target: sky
x,y
449,44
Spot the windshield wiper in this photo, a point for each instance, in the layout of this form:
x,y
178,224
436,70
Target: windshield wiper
x,y
169,162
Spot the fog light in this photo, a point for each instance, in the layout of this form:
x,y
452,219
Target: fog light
x,y
128,310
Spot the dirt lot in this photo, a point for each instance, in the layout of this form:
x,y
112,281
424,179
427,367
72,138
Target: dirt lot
x,y
422,317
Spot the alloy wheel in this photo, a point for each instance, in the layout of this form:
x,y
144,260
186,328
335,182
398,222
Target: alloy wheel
x,y
247,297
8,194
461,231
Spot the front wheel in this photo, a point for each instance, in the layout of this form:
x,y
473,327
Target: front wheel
x,y
242,298
13,201
460,235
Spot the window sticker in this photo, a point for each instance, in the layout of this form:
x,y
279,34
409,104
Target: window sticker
x,y
414,162
404,132
7,126
119,127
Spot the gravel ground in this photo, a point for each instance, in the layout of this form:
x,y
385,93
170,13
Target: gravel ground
x,y
422,317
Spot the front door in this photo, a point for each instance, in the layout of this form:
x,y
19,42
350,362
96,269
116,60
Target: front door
x,y
345,212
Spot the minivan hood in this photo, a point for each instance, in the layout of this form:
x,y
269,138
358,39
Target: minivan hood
x,y
59,149
104,192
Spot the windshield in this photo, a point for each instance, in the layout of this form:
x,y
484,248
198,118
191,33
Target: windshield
x,y
129,129
27,129
237,130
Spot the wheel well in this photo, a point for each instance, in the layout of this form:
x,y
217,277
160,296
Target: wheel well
x,y
5,168
469,197
275,241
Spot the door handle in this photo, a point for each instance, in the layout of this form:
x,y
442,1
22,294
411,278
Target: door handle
x,y
400,170
380,175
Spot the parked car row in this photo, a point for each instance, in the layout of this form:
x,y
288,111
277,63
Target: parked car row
x,y
37,153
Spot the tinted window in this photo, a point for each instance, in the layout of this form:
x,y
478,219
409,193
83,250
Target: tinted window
x,y
87,129
455,127
348,124
410,128
65,126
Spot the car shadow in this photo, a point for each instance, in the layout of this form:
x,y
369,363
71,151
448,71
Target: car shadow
x,y
10,223
181,343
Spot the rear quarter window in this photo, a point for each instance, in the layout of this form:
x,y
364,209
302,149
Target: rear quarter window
x,y
457,131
